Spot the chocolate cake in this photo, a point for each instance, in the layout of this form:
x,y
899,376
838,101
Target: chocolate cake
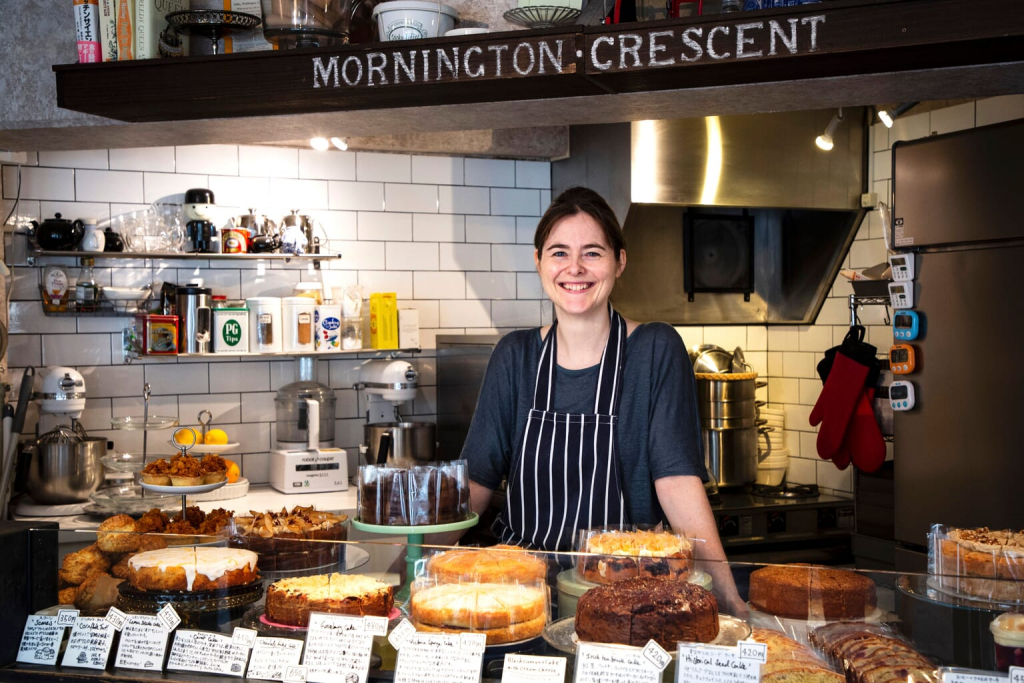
x,y
801,591
633,611
285,541
437,493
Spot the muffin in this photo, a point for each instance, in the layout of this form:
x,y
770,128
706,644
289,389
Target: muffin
x,y
125,540
184,470
214,469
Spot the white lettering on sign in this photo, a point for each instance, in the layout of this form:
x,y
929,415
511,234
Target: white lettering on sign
x,y
533,669
207,652
710,664
614,664
694,44
437,658
40,641
337,649
89,643
402,67
143,643
271,657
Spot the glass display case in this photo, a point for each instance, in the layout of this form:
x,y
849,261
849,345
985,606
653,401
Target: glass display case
x,y
256,593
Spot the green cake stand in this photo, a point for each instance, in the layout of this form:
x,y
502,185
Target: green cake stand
x,y
414,547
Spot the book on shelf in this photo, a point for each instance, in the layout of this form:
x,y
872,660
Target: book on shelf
x,y
153,36
125,10
108,30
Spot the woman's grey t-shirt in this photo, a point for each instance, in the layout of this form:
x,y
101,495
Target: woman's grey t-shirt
x,y
658,432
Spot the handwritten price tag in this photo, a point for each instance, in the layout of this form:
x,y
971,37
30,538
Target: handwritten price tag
x,y
243,637
613,664
1016,674
967,676
169,617
656,655
40,641
377,626
472,642
533,669
294,674
143,643
710,664
401,633
66,617
116,618
751,649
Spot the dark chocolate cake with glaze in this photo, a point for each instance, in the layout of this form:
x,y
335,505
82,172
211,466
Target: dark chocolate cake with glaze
x,y
633,611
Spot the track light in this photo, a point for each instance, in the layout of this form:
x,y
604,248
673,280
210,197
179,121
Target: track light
x,y
824,141
340,143
319,144
888,117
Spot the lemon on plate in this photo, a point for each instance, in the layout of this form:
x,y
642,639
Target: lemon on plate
x,y
216,437
183,436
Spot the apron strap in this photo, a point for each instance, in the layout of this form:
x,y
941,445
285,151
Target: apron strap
x,y
609,377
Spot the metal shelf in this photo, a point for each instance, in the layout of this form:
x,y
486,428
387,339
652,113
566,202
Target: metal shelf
x,y
183,256
289,354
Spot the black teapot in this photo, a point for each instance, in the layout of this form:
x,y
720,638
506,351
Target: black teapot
x,y
112,242
58,234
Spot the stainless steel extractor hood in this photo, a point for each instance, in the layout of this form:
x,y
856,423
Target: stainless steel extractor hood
x,y
728,220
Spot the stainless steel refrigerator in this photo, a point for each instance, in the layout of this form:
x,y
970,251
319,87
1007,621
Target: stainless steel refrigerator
x,y
959,453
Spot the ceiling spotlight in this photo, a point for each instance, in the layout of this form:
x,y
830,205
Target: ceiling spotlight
x,y
319,144
824,141
887,117
339,143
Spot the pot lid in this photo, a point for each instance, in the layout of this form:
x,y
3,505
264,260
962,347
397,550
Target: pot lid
x,y
191,289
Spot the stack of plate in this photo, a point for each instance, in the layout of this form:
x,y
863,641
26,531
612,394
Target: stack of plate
x,y
772,455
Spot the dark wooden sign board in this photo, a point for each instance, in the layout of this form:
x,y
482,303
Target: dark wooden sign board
x,y
829,39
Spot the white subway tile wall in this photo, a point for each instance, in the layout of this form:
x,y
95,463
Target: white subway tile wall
x,y
452,236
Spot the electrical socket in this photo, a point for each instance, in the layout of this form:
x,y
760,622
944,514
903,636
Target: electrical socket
x,y
869,200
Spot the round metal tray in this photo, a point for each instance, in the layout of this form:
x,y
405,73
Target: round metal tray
x,y
150,602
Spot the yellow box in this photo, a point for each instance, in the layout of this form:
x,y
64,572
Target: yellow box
x,y
384,320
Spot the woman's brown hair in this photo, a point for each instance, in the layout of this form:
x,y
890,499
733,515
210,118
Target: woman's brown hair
x,y
577,200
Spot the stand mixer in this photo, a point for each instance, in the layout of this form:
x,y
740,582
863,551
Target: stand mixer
x,y
407,444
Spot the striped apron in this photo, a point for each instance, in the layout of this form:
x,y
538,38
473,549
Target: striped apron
x,y
566,474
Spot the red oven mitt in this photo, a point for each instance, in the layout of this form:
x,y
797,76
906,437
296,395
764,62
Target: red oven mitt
x,y
863,436
836,404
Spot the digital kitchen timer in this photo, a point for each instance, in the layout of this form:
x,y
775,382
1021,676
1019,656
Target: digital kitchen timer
x,y
906,325
902,267
901,395
902,359
901,294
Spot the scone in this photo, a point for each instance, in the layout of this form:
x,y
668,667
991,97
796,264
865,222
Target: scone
x,y
126,539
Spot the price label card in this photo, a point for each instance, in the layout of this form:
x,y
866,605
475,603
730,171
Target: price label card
x,y
401,633
424,655
751,649
246,637
377,626
271,657
40,641
709,664
207,652
950,675
169,617
66,617
656,655
117,618
532,669
1016,674
337,649
613,664
473,642
295,674
143,643
89,643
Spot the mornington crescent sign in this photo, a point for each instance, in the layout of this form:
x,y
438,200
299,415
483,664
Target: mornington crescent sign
x,y
597,53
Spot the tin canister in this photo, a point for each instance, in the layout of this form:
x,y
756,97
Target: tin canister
x,y
159,334
235,240
328,327
231,330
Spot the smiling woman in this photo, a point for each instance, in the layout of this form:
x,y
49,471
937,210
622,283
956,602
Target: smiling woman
x,y
591,421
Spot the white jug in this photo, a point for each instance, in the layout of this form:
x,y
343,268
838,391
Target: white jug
x,y
93,240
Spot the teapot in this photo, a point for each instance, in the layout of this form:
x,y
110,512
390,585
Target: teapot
x,y
58,234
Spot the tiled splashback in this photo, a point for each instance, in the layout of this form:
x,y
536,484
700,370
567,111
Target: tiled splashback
x,y
451,236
